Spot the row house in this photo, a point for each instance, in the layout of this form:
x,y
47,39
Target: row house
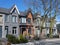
x,y
46,26
9,21
15,22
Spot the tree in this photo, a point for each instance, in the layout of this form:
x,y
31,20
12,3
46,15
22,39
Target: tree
x,y
49,8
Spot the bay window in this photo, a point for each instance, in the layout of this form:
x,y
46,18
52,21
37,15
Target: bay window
x,y
23,20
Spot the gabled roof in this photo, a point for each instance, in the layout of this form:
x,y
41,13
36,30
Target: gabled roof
x,y
8,11
14,7
22,14
36,15
25,13
4,10
29,11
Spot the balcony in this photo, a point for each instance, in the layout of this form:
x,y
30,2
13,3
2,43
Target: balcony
x,y
28,24
24,21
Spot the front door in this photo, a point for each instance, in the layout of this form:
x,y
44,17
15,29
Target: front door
x,y
23,29
0,31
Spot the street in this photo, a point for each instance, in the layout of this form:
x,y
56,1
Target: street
x,y
48,42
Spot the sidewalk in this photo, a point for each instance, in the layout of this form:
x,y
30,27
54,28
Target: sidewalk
x,y
55,39
42,42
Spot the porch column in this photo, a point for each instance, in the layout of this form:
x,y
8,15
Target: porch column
x,y
21,30
27,31
32,30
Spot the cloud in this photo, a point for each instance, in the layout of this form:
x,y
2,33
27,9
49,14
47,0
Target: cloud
x,y
57,22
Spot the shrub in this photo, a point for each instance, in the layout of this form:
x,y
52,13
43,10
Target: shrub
x,y
36,38
48,35
12,39
56,36
22,39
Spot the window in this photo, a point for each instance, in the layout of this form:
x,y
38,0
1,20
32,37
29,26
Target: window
x,y
14,19
29,20
29,30
23,20
1,19
14,30
6,28
6,18
47,31
47,24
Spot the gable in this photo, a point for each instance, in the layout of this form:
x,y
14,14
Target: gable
x,y
29,15
14,10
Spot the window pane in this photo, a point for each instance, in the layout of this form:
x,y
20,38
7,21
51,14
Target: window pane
x,y
14,19
23,20
6,28
6,18
14,30
29,20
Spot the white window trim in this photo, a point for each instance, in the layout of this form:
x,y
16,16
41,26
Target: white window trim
x,y
23,20
14,19
14,31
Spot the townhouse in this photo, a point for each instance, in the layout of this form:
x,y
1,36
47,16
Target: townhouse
x,y
14,22
38,24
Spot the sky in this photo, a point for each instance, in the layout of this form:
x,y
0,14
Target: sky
x,y
10,3
19,4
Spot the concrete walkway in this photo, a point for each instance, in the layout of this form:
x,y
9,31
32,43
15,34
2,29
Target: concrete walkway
x,y
55,39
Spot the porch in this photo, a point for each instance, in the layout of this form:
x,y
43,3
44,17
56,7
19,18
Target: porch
x,y
26,30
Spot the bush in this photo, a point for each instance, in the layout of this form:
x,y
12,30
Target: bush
x,y
56,36
36,38
48,35
12,39
22,39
